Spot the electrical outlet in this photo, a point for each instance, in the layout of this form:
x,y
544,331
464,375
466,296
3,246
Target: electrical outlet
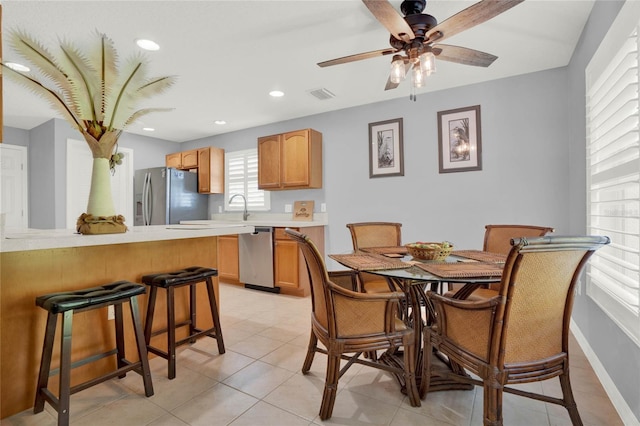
x,y
288,208
219,209
111,312
323,207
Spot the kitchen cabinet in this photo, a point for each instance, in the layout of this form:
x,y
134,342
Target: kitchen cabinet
x,y
228,265
291,160
183,160
290,270
211,170
209,162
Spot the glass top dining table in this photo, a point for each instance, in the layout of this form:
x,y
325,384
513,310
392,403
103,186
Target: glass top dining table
x,y
472,268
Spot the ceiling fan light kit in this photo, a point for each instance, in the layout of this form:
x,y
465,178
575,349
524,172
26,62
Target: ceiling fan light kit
x,y
414,36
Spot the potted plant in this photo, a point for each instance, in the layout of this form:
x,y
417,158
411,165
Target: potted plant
x,y
98,98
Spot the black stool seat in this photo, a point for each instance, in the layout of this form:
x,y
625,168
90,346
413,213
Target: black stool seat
x,y
69,303
169,281
181,277
89,297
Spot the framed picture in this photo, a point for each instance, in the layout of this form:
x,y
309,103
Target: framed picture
x,y
459,142
385,148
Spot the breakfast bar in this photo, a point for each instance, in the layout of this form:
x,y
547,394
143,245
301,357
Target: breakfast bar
x,y
36,262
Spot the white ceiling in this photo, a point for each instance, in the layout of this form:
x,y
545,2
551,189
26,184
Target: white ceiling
x,y
230,54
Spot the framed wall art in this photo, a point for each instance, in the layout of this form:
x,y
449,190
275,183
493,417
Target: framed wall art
x,y
385,148
459,141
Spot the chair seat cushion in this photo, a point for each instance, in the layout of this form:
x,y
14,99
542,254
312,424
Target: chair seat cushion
x,y
79,299
478,294
376,286
183,276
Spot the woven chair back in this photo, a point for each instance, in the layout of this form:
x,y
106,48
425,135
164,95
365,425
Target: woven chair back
x,y
375,234
538,284
317,277
497,238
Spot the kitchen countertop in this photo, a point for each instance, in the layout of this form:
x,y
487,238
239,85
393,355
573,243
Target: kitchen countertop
x,y
257,219
39,239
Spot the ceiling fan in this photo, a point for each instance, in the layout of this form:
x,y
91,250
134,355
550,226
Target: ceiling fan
x,y
415,38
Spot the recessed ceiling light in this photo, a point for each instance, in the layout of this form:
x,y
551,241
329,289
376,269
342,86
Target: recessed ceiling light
x,y
276,93
148,129
147,44
221,122
17,67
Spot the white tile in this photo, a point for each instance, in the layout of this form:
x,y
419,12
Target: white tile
x,y
258,379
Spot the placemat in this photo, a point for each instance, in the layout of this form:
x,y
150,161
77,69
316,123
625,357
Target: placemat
x,y
367,262
481,256
462,270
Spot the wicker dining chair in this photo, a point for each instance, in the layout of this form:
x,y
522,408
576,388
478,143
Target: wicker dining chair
x,y
370,235
497,239
522,334
349,322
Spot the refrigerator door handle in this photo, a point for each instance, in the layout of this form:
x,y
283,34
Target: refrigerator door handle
x,y
146,199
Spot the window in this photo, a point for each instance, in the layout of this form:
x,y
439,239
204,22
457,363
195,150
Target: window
x,y
241,177
613,171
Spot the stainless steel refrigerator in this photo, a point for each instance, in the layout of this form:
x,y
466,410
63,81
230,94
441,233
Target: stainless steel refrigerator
x,y
166,196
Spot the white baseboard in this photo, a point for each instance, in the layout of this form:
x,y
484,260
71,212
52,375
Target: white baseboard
x,y
625,413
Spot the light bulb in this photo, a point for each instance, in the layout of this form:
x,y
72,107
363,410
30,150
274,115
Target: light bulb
x,y
428,63
397,73
417,77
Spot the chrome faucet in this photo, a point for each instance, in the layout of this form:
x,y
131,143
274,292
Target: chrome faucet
x,y
245,214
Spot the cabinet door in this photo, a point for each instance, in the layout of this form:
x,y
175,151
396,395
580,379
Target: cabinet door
x,y
190,159
286,263
174,160
269,162
295,159
228,265
204,175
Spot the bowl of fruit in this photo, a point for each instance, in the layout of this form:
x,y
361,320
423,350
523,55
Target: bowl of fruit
x,y
430,251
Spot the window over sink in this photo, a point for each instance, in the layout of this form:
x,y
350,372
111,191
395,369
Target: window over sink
x,y
241,177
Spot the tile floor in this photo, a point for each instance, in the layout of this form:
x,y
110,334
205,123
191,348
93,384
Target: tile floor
x,y
258,382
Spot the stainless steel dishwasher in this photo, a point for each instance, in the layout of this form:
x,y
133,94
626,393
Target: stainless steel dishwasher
x,y
256,259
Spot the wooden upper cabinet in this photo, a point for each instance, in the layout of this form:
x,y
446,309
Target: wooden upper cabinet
x,y
291,160
174,160
190,159
269,158
183,160
211,170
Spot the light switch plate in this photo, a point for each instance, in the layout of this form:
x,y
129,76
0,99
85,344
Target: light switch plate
x,y
323,207
288,208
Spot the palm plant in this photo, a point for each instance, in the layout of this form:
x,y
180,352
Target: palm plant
x,y
94,95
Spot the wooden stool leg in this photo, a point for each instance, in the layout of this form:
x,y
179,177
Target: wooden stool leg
x,y
171,333
119,324
65,369
45,361
192,311
151,306
215,316
142,347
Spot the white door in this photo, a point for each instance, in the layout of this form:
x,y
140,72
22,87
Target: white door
x,y
13,186
79,165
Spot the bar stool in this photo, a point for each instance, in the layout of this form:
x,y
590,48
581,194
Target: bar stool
x,y
69,303
170,281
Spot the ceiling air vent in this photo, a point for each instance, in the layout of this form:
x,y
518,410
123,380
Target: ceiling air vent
x,y
322,94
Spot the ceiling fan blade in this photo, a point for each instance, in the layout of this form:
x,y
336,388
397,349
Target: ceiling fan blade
x,y
390,85
463,55
470,17
391,19
357,57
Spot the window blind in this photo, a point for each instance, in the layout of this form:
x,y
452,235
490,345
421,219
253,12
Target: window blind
x,y
241,177
613,177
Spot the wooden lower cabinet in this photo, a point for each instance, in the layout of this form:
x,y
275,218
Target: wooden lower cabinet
x,y
228,264
290,269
